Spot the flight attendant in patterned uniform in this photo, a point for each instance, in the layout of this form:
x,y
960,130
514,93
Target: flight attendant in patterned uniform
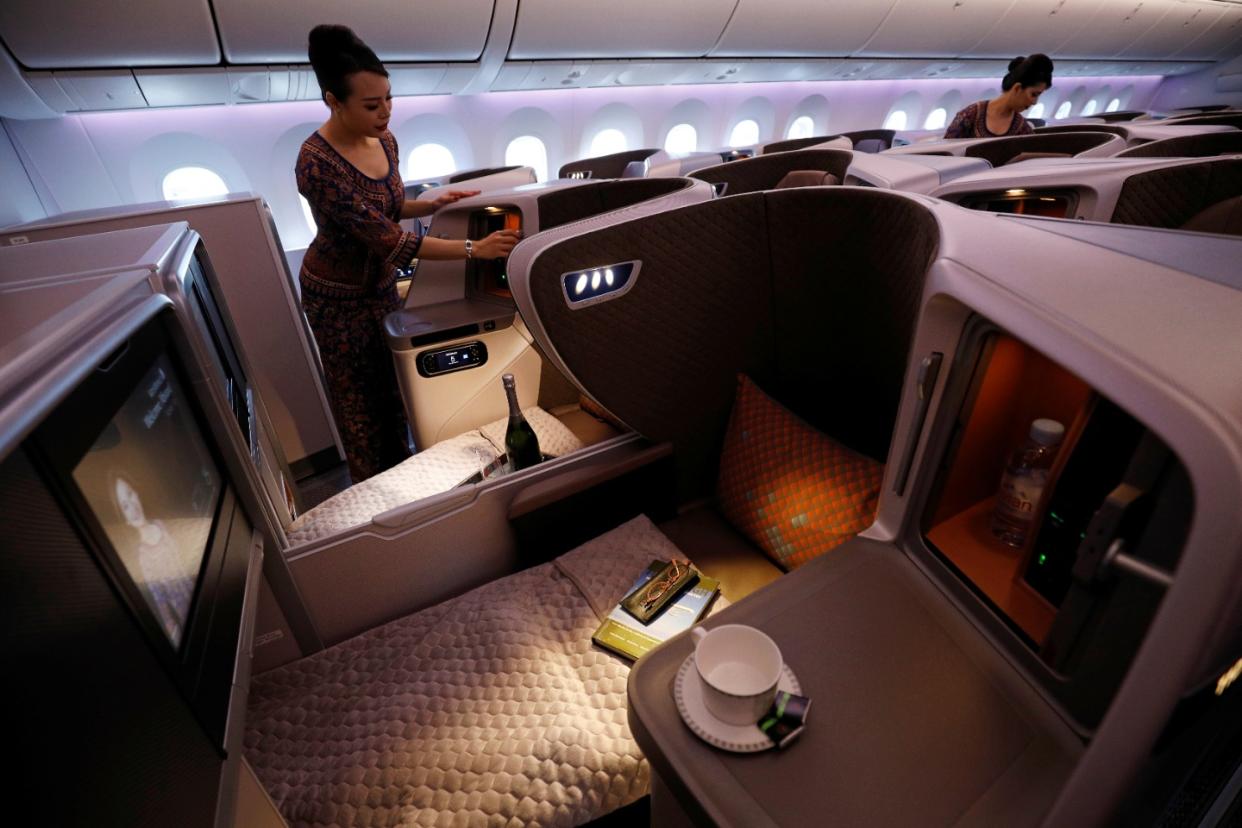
x,y
1028,78
348,170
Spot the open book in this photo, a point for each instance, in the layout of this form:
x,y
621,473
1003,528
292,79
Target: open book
x,y
624,634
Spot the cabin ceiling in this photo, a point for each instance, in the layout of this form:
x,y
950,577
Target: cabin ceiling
x,y
80,55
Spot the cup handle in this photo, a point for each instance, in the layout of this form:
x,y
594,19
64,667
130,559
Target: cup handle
x,y
698,634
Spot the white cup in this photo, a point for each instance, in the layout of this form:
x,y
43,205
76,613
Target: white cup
x,y
739,667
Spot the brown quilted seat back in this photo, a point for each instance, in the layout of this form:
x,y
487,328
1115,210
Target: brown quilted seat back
x,y
1188,146
1224,217
574,203
1000,151
1171,196
806,178
815,299
606,166
764,172
796,143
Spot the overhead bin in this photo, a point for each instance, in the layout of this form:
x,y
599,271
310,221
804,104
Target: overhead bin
x,y
635,29
1182,25
1114,27
431,30
932,28
1223,40
801,28
1048,23
80,34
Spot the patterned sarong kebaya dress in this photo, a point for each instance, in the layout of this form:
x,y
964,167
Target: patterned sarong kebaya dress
x,y
348,280
972,122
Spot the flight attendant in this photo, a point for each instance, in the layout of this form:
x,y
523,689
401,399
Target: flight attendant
x,y
348,170
1028,78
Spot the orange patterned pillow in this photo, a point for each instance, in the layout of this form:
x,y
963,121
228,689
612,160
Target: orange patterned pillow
x,y
794,491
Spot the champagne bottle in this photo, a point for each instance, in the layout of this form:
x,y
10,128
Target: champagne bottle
x,y
521,444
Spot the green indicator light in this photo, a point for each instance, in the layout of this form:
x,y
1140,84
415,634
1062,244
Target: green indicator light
x,y
1043,559
1082,535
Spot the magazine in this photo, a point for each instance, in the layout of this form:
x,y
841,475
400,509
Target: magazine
x,y
625,635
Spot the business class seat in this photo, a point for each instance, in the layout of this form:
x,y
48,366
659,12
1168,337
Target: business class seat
x,y
765,172
1188,196
1224,218
605,166
1188,146
807,178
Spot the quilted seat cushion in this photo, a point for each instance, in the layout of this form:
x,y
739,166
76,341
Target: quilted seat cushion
x,y
491,709
794,491
435,469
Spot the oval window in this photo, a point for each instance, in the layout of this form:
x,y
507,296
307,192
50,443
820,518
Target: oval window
x,y
1063,110
682,138
802,127
1036,111
744,133
429,161
193,182
936,119
528,151
1090,108
895,120
607,142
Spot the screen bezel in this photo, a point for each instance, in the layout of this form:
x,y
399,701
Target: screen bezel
x,y
68,433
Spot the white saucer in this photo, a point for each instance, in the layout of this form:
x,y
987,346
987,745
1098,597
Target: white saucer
x,y
688,692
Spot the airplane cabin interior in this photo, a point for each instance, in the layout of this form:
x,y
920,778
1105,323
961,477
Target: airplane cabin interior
x,y
794,465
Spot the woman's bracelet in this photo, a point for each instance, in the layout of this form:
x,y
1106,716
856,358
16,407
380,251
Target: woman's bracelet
x,y
469,249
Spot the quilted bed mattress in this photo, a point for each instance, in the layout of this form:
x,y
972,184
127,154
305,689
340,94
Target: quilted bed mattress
x,y
491,709
435,469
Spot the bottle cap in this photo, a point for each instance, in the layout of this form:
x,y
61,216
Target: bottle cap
x,y
1047,432
507,379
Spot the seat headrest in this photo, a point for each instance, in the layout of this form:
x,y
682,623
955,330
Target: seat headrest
x,y
1028,156
807,178
1223,217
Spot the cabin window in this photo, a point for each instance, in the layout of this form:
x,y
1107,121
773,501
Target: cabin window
x,y
682,138
1090,108
193,182
744,133
896,120
1063,110
429,161
306,212
802,127
1113,105
936,119
528,151
607,142
1036,111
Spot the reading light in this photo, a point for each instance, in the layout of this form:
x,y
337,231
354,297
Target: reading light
x,y
1017,192
598,284
1229,677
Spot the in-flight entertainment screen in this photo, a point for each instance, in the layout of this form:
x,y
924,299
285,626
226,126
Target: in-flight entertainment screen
x,y
154,487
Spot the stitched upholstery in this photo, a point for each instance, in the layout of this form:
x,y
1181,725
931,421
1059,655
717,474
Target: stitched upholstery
x,y
803,289
1171,196
1224,217
791,144
999,150
763,172
575,203
1188,146
606,166
807,178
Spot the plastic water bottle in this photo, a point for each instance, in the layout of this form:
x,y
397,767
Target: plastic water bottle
x,y
1023,482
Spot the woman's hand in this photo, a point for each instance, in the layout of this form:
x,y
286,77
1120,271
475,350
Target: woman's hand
x,y
450,197
497,245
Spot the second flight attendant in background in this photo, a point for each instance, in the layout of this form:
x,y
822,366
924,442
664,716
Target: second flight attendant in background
x,y
349,171
1027,79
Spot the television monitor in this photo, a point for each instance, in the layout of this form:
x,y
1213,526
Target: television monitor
x,y
154,489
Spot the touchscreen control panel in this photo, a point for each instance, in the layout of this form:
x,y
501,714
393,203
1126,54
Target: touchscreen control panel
x,y
448,360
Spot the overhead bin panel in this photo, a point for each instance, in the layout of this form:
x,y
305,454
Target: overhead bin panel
x,y
1181,26
1117,25
398,30
551,29
801,28
1036,26
1222,41
84,34
935,28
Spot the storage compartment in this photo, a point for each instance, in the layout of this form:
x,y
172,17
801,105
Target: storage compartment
x,y
489,276
1043,203
1082,581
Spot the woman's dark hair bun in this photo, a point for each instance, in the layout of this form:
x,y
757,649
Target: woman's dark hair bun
x,y
1028,71
335,53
